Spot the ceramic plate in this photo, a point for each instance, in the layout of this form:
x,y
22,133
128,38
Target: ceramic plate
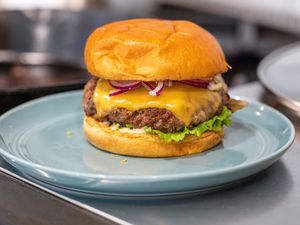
x,y
43,139
279,73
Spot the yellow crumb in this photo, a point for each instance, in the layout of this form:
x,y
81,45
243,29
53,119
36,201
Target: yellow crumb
x,y
113,156
69,133
123,161
229,67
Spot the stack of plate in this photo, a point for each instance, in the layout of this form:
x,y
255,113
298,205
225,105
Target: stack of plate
x,y
279,72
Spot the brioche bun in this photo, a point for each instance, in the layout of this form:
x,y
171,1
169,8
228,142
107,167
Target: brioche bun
x,y
152,50
145,145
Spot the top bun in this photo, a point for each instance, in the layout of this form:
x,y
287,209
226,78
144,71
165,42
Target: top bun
x,y
152,50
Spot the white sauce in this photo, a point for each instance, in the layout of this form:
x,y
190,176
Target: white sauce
x,y
127,130
114,127
218,84
132,131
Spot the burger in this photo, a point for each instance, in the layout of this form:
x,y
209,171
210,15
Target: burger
x,y
157,89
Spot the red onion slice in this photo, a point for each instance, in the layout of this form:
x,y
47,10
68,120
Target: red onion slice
x,y
168,83
124,85
116,92
158,89
196,83
147,85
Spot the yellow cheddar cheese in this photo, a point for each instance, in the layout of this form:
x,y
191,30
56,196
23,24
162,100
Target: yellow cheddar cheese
x,y
181,99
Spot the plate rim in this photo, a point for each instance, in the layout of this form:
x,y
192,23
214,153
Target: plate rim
x,y
141,178
157,195
266,63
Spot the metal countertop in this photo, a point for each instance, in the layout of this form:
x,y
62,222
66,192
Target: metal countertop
x,y
271,197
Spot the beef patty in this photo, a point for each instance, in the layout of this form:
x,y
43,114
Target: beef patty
x,y
156,118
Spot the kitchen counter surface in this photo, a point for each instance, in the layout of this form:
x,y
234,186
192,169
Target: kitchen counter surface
x,y
271,197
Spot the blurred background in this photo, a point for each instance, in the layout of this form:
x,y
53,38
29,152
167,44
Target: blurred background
x,y
42,42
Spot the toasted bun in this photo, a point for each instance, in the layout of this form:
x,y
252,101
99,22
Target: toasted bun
x,y
153,49
145,145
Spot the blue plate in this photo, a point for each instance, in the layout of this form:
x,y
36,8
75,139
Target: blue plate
x,y
43,139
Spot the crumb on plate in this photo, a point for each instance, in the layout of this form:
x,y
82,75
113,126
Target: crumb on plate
x,y
69,133
123,161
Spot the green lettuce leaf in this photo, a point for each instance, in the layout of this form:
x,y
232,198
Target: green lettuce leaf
x,y
213,124
119,126
130,126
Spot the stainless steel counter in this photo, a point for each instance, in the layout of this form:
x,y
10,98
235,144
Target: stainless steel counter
x,y
271,197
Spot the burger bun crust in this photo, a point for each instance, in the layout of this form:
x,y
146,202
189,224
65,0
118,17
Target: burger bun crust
x,y
146,145
153,50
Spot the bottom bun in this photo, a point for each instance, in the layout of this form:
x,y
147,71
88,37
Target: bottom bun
x,y
146,145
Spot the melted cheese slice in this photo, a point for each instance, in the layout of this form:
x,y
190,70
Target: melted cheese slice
x,y
181,99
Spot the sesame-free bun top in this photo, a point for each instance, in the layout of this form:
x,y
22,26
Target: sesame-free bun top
x,y
153,49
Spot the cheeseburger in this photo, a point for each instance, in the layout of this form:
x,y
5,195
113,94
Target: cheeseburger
x,y
157,89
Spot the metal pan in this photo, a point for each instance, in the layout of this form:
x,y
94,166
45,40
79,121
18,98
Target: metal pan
x,y
24,76
279,73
